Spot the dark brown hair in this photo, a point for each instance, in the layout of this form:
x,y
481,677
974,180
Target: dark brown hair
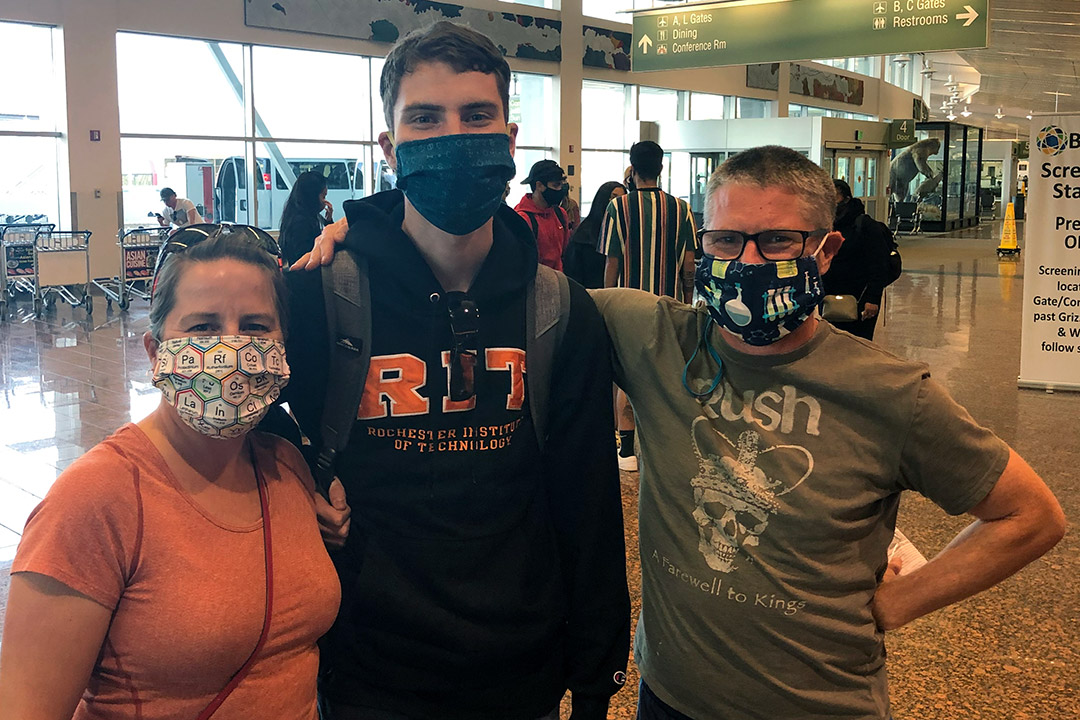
x,y
460,47
223,245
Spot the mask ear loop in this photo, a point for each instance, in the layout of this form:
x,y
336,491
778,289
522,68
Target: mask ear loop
x,y
704,341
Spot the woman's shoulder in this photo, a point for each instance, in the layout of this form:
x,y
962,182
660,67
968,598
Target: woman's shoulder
x,y
104,469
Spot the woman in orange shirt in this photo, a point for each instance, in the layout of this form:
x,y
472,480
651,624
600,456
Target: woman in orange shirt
x,y
176,569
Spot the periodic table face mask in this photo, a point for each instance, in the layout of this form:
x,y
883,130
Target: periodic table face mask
x,y
221,386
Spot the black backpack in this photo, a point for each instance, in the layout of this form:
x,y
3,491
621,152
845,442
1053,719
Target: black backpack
x,y
894,264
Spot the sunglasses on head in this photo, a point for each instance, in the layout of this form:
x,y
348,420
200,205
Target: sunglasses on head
x,y
191,235
464,325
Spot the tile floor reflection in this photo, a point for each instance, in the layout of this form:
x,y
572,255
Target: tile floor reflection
x,y
67,380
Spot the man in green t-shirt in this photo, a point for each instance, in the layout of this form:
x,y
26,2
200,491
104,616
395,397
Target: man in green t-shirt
x,y
774,451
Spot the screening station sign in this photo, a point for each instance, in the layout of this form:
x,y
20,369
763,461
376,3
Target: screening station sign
x,y
752,31
1050,334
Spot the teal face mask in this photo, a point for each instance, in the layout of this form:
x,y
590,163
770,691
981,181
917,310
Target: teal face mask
x,y
456,181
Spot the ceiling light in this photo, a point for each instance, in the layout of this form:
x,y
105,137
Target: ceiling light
x,y
965,112
999,114
951,117
1028,116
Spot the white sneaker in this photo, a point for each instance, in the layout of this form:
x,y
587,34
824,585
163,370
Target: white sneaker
x,y
628,464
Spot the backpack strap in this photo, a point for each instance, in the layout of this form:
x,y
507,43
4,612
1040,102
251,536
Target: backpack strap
x,y
347,296
547,313
559,213
534,224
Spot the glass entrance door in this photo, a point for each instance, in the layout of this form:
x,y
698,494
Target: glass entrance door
x,y
701,167
860,170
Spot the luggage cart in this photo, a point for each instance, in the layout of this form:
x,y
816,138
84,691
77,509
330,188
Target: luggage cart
x,y
138,252
57,268
17,259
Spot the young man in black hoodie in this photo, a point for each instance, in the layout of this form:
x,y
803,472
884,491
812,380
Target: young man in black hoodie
x,y
482,575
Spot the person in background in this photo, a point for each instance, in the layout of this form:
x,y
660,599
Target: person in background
x,y
541,208
306,212
581,261
573,213
146,584
179,212
860,267
649,239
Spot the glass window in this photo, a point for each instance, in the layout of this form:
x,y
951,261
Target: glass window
x,y
176,86
707,107
861,65
914,185
28,95
378,122
29,182
597,168
336,162
605,109
752,108
532,108
290,85
657,104
954,174
231,170
210,173
677,174
971,172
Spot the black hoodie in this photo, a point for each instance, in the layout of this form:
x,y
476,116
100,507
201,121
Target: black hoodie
x,y
481,577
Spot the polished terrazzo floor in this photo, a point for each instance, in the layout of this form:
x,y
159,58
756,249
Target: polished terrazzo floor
x,y
68,380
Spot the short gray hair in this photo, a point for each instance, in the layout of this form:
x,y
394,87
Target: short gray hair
x,y
776,166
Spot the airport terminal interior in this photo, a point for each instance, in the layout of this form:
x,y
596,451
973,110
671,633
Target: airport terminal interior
x,y
228,102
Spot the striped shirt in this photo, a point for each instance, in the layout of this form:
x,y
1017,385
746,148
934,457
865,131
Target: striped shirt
x,y
649,231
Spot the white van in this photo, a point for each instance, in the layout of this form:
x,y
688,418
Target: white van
x,y
230,190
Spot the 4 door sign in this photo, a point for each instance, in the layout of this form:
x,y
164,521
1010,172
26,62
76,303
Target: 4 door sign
x,y
705,35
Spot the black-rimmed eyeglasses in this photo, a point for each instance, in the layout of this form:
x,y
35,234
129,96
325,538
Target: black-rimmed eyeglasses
x,y
464,325
191,235
772,244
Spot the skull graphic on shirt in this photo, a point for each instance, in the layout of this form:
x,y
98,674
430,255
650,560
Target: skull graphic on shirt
x,y
733,497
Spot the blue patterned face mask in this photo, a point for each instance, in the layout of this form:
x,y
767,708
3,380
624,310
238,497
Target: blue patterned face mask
x,y
759,302
456,181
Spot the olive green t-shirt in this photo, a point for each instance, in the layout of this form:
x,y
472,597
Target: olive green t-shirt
x,y
766,508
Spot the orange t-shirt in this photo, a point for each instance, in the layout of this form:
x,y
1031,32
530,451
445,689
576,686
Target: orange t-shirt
x,y
187,591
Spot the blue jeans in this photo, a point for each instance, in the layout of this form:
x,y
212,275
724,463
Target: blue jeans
x,y
650,707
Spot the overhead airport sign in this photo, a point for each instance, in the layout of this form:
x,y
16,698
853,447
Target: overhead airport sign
x,y
740,33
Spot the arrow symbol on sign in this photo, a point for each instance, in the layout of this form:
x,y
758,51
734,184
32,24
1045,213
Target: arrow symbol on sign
x,y
970,15
644,44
